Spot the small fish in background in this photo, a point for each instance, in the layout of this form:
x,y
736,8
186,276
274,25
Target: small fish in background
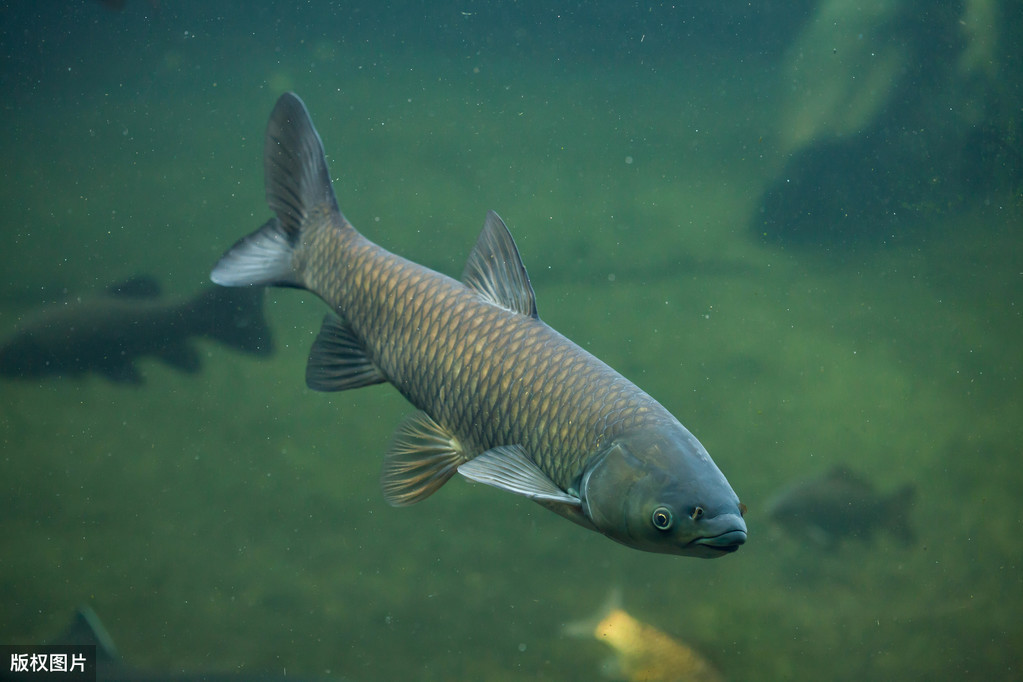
x,y
642,652
107,333
841,504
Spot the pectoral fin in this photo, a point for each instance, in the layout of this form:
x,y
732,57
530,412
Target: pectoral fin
x,y
422,457
509,467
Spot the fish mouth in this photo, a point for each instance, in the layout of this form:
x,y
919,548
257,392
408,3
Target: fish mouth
x,y
725,543
731,536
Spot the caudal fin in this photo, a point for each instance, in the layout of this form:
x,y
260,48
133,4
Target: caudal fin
x,y
587,627
263,258
298,190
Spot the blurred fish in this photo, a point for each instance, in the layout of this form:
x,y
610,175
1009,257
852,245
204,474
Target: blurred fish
x,y
841,504
109,332
503,399
642,652
85,629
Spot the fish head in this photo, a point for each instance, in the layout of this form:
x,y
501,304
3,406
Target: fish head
x,y
657,489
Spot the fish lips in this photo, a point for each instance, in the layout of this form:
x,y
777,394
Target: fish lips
x,y
729,534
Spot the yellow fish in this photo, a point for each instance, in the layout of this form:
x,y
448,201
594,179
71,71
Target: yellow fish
x,y
645,654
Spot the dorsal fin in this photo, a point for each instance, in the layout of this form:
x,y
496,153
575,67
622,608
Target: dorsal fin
x,y
86,629
495,269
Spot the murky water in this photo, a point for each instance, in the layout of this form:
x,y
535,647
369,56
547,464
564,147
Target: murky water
x,y
232,520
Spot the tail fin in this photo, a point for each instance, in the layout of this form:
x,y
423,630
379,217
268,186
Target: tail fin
x,y
297,189
587,627
235,318
262,258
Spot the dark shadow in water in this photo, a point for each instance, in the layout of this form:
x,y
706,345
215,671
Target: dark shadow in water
x,y
886,185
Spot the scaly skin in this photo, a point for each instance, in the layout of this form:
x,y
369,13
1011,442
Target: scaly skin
x,y
488,375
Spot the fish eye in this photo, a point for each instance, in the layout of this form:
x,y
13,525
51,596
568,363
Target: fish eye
x,y
662,518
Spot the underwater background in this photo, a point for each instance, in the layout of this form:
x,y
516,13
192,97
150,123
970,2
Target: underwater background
x,y
796,225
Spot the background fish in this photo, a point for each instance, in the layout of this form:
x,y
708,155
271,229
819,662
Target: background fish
x,y
841,504
503,399
107,333
642,652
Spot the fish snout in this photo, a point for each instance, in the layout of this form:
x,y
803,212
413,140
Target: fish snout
x,y
721,534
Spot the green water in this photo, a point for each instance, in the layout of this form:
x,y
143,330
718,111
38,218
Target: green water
x,y
232,520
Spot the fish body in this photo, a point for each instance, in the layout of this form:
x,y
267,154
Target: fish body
x,y
107,333
502,398
840,505
644,653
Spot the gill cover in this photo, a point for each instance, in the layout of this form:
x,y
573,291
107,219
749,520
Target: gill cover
x,y
658,490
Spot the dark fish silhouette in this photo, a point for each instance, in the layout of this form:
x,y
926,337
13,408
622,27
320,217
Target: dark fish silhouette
x,y
841,504
106,334
503,399
85,629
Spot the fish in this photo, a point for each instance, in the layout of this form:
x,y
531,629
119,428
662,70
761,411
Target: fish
x,y
86,629
501,398
642,652
107,333
840,504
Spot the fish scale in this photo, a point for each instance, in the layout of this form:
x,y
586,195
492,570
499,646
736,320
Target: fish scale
x,y
503,398
510,378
